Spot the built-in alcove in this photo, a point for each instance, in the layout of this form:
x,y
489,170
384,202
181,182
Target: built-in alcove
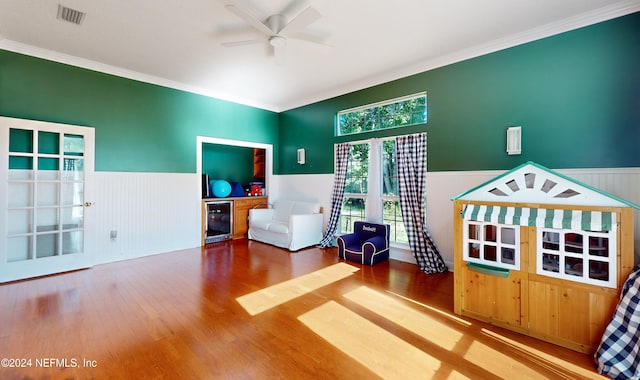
x,y
234,161
231,163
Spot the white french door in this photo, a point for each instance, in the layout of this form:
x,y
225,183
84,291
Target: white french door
x,y
45,172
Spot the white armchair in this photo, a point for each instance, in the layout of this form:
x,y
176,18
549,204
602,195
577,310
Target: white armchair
x,y
289,224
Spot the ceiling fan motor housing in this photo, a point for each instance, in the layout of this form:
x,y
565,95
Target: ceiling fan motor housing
x,y
276,23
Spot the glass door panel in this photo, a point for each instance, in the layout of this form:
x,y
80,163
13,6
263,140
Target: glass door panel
x,y
47,194
43,166
72,193
72,217
73,145
20,140
18,248
20,162
46,245
47,219
21,221
73,170
20,194
47,163
48,142
72,242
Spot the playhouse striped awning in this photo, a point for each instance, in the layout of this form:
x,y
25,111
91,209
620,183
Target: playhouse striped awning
x,y
540,217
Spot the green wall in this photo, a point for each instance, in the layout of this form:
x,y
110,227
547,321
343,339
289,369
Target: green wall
x,y
139,127
576,96
231,163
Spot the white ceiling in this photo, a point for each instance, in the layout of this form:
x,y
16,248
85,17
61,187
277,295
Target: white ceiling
x,y
177,43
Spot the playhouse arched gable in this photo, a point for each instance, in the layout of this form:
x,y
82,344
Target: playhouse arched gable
x,y
533,183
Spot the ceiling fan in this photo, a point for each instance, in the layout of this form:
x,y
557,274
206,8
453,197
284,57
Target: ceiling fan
x,y
276,29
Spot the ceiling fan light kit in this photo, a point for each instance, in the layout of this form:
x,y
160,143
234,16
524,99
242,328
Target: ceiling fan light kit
x,y
277,41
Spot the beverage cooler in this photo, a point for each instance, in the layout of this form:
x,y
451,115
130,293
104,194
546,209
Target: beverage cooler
x,y
219,221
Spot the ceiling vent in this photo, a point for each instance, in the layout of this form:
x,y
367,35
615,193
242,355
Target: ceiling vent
x,y
70,15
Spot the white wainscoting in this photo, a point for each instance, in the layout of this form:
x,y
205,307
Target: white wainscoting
x,y
621,182
151,212
160,212
442,186
306,187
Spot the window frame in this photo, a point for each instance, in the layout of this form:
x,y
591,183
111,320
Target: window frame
x,y
377,195
498,244
585,256
379,106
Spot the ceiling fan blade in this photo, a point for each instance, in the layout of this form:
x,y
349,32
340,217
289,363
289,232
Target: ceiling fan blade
x,y
302,20
313,38
247,16
241,43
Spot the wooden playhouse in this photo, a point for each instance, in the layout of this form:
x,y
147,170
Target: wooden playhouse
x,y
542,254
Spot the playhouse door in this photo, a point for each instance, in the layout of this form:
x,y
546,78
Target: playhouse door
x,y
45,169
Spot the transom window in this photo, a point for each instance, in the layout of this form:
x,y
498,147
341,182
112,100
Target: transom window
x,y
398,112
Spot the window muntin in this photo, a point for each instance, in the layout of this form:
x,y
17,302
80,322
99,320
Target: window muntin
x,y
492,244
582,256
393,113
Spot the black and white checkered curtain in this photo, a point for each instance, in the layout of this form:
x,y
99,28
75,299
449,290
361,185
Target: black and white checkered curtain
x,y
617,355
340,176
411,156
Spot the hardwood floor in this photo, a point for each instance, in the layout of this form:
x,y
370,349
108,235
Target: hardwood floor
x,y
175,316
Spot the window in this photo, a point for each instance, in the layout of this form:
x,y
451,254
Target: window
x,y
492,244
399,112
356,187
582,256
391,214
371,188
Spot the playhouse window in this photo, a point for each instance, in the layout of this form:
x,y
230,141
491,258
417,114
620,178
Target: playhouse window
x,y
582,256
492,244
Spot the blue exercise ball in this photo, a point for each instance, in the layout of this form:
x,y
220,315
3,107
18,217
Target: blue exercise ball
x,y
221,188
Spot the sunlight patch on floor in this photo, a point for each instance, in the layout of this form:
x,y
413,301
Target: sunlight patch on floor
x,y
443,314
449,338
389,356
267,298
401,314
542,357
372,346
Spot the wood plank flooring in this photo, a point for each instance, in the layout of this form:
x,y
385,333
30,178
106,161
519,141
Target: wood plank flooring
x,y
175,316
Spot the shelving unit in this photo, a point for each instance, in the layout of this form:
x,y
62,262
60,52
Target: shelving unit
x,y
258,164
